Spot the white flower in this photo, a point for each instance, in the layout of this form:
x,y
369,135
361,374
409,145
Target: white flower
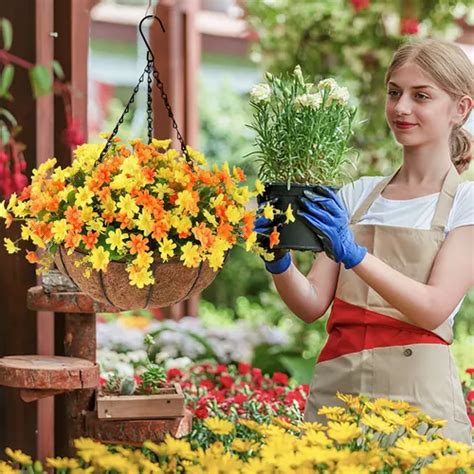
x,y
339,95
260,93
298,73
328,83
308,100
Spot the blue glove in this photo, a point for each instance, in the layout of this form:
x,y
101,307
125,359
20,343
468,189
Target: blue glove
x,y
325,214
264,227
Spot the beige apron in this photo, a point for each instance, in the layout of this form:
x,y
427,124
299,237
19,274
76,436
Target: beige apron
x,y
375,350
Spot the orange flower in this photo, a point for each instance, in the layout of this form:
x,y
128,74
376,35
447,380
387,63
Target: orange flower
x,y
25,193
220,211
72,240
32,257
204,235
239,174
160,230
104,194
123,219
90,239
73,216
53,204
108,217
138,244
148,174
8,220
274,238
224,231
145,199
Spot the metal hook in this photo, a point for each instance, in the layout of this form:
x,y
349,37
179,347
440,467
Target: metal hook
x,y
151,57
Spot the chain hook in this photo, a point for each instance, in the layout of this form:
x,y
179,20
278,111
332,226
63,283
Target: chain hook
x,y
150,55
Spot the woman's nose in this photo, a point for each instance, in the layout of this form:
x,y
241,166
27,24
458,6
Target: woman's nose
x,y
403,105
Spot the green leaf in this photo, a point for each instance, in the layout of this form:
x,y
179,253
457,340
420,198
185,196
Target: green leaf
x,y
7,33
4,134
71,197
299,368
7,79
9,116
41,80
58,70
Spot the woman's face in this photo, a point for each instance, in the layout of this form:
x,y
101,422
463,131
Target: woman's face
x,y
417,110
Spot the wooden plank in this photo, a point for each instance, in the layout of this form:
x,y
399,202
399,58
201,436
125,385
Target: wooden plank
x,y
166,404
65,302
133,432
48,372
18,325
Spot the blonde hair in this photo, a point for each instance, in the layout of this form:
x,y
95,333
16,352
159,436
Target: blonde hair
x,y
448,65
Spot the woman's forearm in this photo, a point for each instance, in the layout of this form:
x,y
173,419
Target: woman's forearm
x,y
410,297
298,293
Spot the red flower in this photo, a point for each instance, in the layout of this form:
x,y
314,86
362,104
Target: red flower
x,y
102,381
72,135
409,26
470,371
280,377
305,388
244,368
471,417
138,379
174,374
240,398
257,375
201,413
470,396
226,381
206,384
360,4
221,368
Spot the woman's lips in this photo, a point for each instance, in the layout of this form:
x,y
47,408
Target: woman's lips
x,y
404,125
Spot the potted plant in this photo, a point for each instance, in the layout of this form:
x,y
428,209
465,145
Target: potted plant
x,y
139,225
302,133
146,396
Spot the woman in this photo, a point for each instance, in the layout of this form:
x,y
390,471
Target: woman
x,y
399,250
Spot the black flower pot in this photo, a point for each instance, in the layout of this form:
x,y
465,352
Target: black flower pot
x,y
294,235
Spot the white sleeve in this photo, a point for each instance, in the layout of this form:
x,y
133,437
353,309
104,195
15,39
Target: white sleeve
x,y
352,194
462,212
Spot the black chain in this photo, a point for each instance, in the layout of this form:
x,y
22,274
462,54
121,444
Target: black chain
x,y
150,70
120,120
149,111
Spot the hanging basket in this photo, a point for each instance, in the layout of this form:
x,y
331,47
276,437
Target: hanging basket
x,y
174,282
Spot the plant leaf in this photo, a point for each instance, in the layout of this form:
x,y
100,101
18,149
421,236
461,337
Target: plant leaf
x,y
7,33
4,133
6,79
57,69
41,80
9,116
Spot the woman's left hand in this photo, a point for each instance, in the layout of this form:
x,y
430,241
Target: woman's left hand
x,y
325,214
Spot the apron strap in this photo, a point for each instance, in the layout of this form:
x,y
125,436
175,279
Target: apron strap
x,y
374,194
445,201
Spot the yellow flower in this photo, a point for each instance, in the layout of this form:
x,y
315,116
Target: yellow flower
x,y
128,206
130,166
196,155
99,258
143,260
3,210
250,242
88,214
18,456
167,247
7,469
415,446
141,278
289,215
343,432
62,463
242,446
43,168
117,463
210,218
171,447
145,222
116,239
352,469
331,411
161,144
84,197
218,426
161,189
377,423
259,187
190,255
10,246
234,214
60,229
241,195
216,259
181,224
316,438
269,211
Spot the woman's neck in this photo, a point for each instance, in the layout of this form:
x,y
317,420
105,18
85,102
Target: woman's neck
x,y
424,167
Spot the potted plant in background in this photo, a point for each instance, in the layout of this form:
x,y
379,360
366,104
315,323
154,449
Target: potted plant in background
x,y
302,134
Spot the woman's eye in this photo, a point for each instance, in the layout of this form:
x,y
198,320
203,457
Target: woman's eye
x,y
422,96
392,93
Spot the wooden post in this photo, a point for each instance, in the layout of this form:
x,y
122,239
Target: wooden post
x,y
177,57
18,420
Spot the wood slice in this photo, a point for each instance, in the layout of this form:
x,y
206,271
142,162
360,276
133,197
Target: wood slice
x,y
48,372
65,302
134,432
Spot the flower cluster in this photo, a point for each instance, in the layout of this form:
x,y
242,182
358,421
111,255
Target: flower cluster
x,y
138,204
361,437
302,129
469,395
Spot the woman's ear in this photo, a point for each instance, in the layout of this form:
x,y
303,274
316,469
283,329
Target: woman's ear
x,y
464,105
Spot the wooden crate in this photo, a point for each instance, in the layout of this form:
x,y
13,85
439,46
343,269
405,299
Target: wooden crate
x,y
169,403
